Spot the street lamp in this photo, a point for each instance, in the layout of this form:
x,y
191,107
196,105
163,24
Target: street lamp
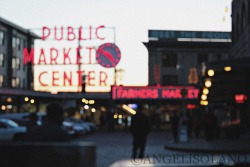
x,y
210,72
119,73
208,83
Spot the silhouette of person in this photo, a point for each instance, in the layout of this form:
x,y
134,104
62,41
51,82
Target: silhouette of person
x,y
210,125
189,123
175,125
197,123
32,121
51,130
140,127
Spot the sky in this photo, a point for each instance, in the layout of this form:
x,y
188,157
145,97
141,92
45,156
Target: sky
x,y
131,20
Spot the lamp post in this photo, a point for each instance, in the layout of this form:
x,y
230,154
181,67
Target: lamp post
x,y
119,73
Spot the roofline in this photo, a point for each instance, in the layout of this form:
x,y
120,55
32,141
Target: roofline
x,y
185,44
19,28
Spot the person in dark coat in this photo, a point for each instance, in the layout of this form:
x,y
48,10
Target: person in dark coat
x,y
210,125
175,125
51,130
32,121
140,127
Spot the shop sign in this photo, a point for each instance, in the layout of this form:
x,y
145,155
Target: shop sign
x,y
165,34
65,54
240,98
154,92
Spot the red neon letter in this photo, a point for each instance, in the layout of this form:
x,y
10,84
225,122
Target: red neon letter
x,y
53,57
90,54
42,58
103,78
178,94
55,34
192,93
91,77
80,73
40,80
155,93
78,55
71,33
44,36
69,79
54,78
90,32
97,33
80,34
28,57
66,56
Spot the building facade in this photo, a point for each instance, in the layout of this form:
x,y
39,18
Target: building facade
x,y
175,57
13,73
231,78
17,78
240,29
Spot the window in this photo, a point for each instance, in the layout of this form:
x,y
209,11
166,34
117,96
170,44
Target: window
x,y
16,43
202,58
16,63
15,82
169,60
218,57
1,80
1,59
13,42
169,80
1,38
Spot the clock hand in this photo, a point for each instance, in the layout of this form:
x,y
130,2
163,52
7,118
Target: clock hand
x,y
107,55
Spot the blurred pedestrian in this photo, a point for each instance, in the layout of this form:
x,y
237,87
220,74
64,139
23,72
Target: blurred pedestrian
x,y
51,130
32,122
175,125
125,120
140,127
210,125
189,120
197,123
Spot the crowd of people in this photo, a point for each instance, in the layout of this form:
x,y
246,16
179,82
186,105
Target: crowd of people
x,y
194,122
140,126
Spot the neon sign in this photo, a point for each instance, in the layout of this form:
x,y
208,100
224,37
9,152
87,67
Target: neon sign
x,y
190,106
240,98
60,60
108,55
154,92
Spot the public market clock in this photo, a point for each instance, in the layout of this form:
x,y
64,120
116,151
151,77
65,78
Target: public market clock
x,y
108,55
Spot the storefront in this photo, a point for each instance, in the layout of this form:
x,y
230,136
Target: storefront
x,y
227,85
160,101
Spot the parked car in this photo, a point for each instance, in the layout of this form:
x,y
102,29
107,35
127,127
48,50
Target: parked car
x,y
10,130
78,128
89,126
67,126
20,118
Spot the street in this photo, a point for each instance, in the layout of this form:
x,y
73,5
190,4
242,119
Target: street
x,y
117,146
114,146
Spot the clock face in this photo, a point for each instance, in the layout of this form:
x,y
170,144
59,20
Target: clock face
x,y
108,55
